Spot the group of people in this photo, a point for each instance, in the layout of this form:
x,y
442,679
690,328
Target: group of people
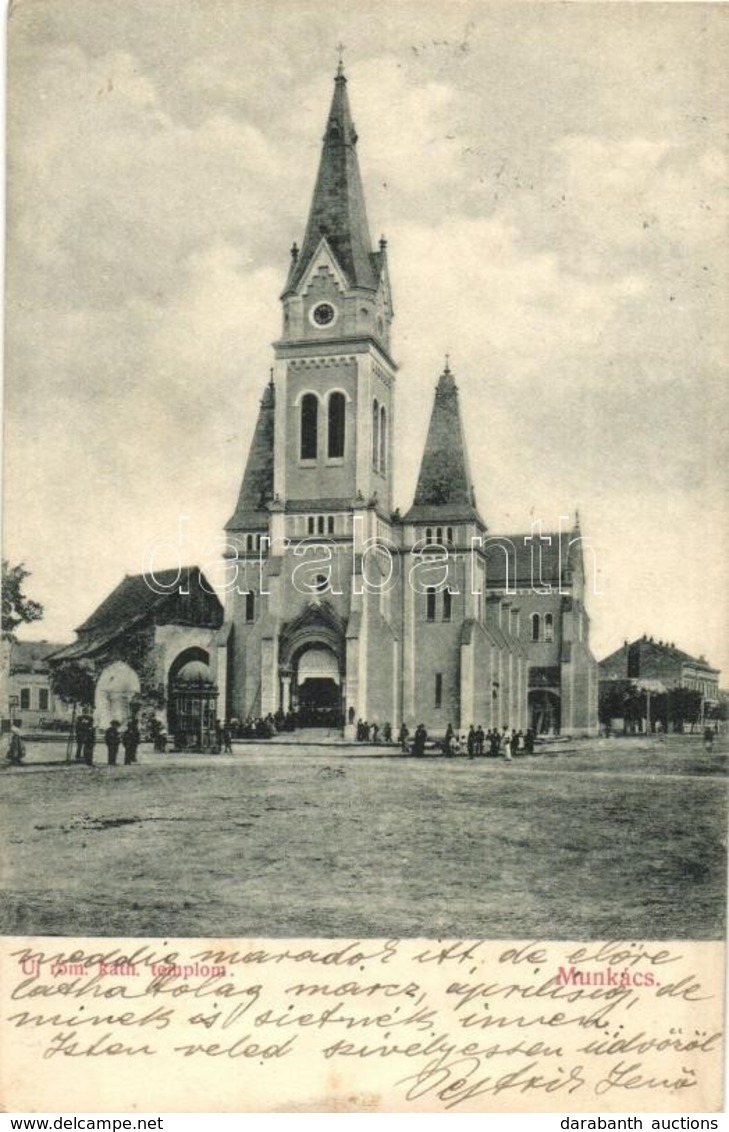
x,y
114,738
129,739
370,732
505,743
476,743
258,727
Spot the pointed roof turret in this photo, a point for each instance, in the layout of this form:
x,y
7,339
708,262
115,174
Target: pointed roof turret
x,y
445,490
256,492
338,210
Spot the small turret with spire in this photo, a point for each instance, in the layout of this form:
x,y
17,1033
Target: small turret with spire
x,y
445,488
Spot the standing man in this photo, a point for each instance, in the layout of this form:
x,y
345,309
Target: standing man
x,y
16,748
82,726
130,741
89,741
113,739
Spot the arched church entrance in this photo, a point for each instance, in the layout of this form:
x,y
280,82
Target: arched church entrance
x,y
544,711
312,667
317,687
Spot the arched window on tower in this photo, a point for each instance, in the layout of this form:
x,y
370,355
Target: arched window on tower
x,y
309,426
446,604
535,626
375,433
383,440
548,627
335,448
428,535
430,599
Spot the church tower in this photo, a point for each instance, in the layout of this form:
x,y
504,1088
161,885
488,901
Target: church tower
x,y
334,375
309,633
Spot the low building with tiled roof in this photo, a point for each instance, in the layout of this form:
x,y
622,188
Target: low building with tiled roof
x,y
141,638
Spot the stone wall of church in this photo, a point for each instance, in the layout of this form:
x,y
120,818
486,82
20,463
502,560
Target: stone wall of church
x,y
436,665
382,678
579,673
244,655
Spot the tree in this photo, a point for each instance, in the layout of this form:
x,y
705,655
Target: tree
x,y
685,707
74,682
611,700
17,608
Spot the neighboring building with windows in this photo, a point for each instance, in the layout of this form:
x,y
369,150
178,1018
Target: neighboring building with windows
x,y
649,659
157,646
343,609
26,689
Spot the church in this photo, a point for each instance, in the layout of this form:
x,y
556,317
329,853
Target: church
x,y
344,609
339,607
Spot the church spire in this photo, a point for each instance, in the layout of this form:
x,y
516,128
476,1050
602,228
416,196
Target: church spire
x,y
256,492
338,210
445,490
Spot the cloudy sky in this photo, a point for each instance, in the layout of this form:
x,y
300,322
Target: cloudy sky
x,y
552,182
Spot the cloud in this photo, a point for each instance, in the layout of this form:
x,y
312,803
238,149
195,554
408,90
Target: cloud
x,y
479,288
109,176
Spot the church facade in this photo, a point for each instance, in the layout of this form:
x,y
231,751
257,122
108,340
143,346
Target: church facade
x,y
344,608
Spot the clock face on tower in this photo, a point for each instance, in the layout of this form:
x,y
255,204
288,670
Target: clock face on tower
x,y
323,314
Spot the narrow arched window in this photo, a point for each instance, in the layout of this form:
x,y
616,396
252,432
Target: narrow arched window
x,y
310,525
330,524
320,525
548,627
335,449
250,606
535,626
383,440
430,598
249,542
450,534
428,535
446,604
375,433
439,536
309,426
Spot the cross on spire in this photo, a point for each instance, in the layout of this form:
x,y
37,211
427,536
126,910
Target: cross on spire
x,y
340,65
